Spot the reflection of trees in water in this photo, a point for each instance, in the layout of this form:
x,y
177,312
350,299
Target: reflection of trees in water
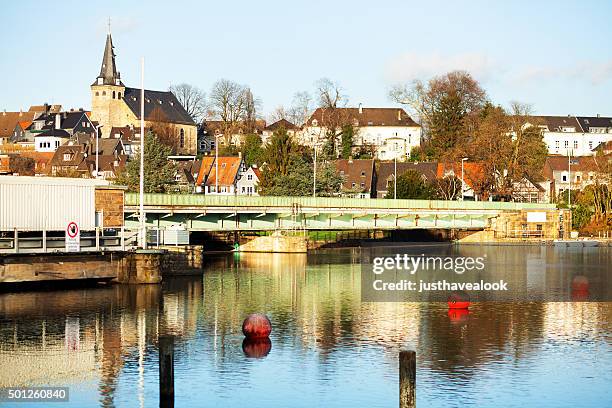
x,y
490,332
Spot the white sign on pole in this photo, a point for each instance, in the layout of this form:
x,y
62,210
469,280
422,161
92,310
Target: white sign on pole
x,y
533,216
73,237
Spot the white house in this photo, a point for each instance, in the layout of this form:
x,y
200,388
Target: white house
x,y
574,135
389,131
247,185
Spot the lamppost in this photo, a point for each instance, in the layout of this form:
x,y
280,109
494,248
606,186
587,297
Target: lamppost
x,y
462,182
395,177
314,174
217,163
97,136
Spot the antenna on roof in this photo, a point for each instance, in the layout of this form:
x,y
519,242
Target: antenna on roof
x,y
109,31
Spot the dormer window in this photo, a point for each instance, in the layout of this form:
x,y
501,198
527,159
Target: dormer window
x,y
100,81
315,122
363,173
67,156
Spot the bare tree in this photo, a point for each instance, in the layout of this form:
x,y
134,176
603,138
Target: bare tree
x,y
330,94
446,106
192,98
228,103
300,108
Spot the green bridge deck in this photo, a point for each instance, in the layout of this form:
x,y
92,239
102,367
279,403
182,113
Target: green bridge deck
x,y
231,213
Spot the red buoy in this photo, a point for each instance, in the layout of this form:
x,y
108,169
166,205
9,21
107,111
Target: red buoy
x,y
458,316
256,326
459,300
256,348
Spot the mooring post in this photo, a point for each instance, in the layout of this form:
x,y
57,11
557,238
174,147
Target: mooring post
x,y
166,371
407,379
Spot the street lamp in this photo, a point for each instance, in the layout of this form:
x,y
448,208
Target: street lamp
x,y
462,182
97,135
395,177
217,163
314,178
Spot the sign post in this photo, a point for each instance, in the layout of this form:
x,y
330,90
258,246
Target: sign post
x,y
73,237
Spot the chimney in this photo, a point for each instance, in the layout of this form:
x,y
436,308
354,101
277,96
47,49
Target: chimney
x,y
598,115
46,107
360,109
399,115
58,121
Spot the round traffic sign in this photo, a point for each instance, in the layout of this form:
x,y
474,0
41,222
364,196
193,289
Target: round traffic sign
x,y
72,230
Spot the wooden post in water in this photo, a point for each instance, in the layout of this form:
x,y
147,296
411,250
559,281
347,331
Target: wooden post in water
x,y
166,371
407,379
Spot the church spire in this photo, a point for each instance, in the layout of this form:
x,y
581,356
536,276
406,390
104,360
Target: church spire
x,y
108,71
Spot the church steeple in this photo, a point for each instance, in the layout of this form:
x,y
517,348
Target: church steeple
x,y
108,71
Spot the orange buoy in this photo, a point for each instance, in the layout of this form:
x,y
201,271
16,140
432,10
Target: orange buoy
x,y
458,300
256,326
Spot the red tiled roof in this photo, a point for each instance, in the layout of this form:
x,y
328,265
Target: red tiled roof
x,y
367,116
228,171
472,172
9,120
356,171
207,162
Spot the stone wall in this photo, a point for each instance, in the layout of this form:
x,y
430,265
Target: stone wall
x,y
141,266
109,201
276,243
514,226
182,260
37,268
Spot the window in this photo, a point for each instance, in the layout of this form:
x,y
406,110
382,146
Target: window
x,y
250,177
575,144
556,144
113,94
56,144
67,156
103,93
577,178
182,139
362,185
118,95
564,177
590,145
353,185
97,93
566,144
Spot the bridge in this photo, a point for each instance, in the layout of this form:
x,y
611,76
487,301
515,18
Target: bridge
x,y
198,212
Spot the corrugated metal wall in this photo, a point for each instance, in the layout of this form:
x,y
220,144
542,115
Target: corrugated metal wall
x,y
49,206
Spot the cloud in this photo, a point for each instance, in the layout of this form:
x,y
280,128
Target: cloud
x,y
594,72
410,66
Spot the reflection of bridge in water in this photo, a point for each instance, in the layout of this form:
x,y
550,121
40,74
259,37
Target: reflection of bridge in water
x,y
244,213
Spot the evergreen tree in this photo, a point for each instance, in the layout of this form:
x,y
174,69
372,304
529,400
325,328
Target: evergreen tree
x,y
159,172
411,185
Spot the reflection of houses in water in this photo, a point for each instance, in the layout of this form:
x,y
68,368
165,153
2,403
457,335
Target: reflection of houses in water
x,y
575,320
88,335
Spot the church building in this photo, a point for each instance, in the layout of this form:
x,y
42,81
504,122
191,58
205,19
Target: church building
x,y
115,105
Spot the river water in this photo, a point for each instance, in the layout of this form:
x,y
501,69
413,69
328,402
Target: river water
x,y
328,348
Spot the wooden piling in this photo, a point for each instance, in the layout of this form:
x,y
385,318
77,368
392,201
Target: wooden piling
x,y
407,379
166,371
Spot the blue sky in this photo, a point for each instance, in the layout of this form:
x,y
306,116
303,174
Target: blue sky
x,y
555,56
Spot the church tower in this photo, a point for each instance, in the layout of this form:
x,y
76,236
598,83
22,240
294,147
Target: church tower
x,y
107,92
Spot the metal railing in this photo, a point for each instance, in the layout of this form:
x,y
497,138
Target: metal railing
x,y
100,239
201,200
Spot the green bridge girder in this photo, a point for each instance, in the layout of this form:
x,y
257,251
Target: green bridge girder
x,y
200,212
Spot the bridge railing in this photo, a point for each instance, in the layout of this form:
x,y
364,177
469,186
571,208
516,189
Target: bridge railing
x,y
201,200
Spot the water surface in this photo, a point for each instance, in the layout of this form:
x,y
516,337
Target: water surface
x,y
328,348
